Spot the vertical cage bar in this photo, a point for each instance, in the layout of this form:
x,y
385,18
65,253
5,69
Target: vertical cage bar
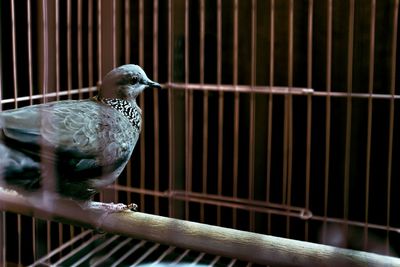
x,y
309,111
44,50
236,105
369,123
69,76
2,215
79,40
114,34
252,109
19,233
221,94
30,85
205,111
188,116
14,53
220,108
69,49
328,114
106,13
30,62
90,46
171,131
40,227
156,109
391,118
309,42
270,105
349,111
202,36
57,47
127,27
288,131
127,61
205,149
141,101
57,52
3,234
99,45
114,62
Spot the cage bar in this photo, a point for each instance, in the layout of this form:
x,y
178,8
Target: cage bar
x,y
259,126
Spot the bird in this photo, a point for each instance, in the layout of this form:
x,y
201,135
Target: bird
x,y
74,148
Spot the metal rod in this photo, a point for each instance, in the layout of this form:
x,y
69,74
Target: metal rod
x,y
236,106
220,151
57,47
349,108
79,45
100,260
76,250
204,150
128,253
247,246
142,106
245,204
14,53
48,95
165,254
127,33
369,123
30,62
69,49
220,103
99,43
391,118
198,258
188,112
171,126
252,110
63,246
146,254
309,112
270,105
205,107
127,61
156,108
278,90
181,256
90,46
289,118
114,34
328,113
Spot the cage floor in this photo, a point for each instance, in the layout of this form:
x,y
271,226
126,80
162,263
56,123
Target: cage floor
x,y
96,249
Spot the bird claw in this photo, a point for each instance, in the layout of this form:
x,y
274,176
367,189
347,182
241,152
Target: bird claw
x,y
115,207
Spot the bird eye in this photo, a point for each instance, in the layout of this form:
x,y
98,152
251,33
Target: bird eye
x,y
134,79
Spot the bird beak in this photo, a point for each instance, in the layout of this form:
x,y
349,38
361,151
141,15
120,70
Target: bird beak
x,y
151,84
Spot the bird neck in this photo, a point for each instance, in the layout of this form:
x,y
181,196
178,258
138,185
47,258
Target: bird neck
x,y
129,109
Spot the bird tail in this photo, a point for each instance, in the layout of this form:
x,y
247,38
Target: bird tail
x,y
18,169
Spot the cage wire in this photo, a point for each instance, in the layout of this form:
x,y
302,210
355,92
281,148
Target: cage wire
x,y
277,117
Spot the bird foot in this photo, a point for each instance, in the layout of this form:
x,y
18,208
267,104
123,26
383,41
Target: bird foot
x,y
114,207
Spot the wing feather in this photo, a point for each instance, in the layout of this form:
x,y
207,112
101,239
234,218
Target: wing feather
x,y
81,138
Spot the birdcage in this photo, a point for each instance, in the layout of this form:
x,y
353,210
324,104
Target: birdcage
x,y
273,141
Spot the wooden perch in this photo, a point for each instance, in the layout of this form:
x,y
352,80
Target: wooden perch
x,y
246,246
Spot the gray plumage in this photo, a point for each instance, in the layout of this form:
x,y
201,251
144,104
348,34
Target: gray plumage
x,y
84,144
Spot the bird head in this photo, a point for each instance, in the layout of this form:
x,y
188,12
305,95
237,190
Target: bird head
x,y
125,82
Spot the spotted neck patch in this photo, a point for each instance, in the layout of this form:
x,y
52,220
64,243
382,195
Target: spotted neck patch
x,y
132,113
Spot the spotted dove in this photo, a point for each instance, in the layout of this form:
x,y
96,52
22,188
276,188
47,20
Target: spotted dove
x,y
83,145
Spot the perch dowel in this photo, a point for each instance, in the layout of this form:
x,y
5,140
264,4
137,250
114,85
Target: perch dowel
x,y
246,246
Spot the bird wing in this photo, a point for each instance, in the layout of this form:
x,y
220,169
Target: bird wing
x,y
82,139
55,126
